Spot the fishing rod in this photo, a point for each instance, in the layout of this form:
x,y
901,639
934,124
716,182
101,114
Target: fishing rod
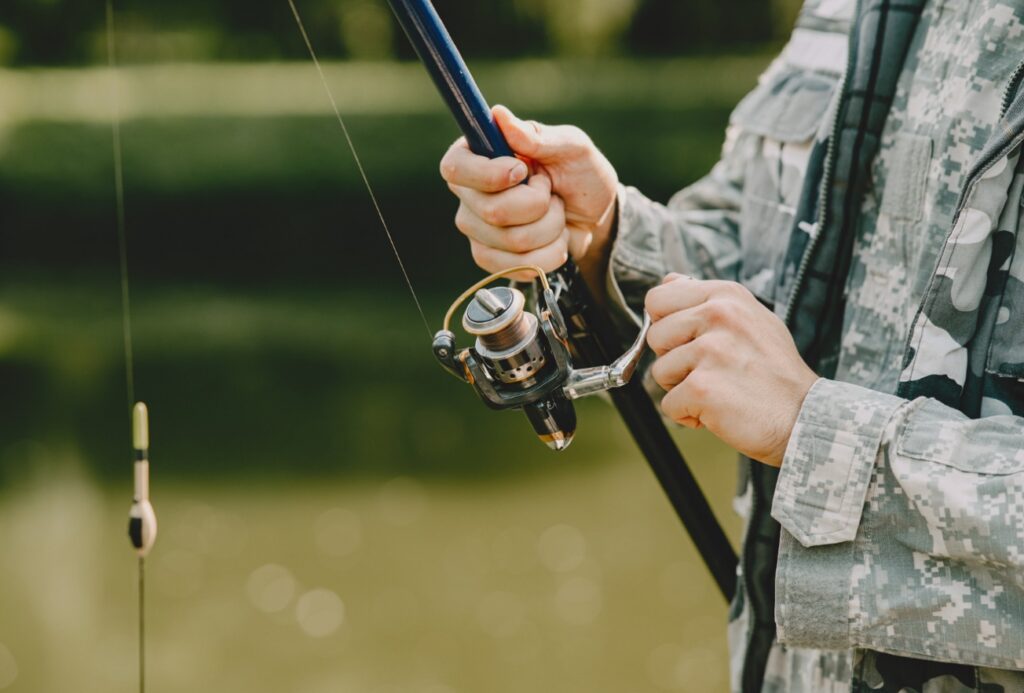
x,y
526,361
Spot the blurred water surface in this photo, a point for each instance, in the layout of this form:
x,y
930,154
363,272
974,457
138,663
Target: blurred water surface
x,y
573,582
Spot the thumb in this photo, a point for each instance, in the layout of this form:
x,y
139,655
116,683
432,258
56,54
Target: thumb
x,y
528,138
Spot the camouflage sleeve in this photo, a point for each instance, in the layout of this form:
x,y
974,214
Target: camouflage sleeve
x,y
696,233
904,529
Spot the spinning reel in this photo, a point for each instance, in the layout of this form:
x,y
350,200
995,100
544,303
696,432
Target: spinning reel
x,y
522,360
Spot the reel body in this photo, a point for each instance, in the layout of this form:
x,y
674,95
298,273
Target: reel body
x,y
522,360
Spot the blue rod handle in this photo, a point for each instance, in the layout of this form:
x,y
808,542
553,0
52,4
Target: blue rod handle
x,y
438,53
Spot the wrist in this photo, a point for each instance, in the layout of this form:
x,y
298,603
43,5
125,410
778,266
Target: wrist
x,y
802,385
593,262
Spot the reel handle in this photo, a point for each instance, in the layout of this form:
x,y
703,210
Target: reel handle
x,y
590,381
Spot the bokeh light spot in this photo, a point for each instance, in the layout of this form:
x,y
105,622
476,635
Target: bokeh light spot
x,y
561,548
320,612
271,588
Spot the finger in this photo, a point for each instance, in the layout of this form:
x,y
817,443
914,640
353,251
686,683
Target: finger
x,y
539,141
548,258
682,293
580,240
674,330
514,239
672,368
520,204
679,405
460,166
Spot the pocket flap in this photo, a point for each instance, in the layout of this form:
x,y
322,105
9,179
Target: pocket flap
x,y
789,106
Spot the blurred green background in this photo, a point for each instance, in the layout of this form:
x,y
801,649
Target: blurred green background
x,y
336,514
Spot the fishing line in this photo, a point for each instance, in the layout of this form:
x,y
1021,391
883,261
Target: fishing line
x,y
359,164
142,524
122,241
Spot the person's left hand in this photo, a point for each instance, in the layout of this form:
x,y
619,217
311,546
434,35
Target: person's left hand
x,y
726,363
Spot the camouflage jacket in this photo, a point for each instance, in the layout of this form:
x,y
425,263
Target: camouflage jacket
x,y
883,130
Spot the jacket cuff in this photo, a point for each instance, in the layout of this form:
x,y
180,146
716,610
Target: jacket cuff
x,y
828,463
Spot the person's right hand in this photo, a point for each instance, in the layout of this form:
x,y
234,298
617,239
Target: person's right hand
x,y
566,208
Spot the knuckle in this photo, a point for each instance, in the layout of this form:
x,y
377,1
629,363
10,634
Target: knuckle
x,y
651,301
735,290
483,257
448,168
494,213
697,386
555,255
716,312
577,139
520,240
538,204
658,373
714,344
462,220
496,178
671,405
656,341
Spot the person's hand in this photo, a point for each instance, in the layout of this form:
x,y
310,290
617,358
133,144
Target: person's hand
x,y
565,209
726,363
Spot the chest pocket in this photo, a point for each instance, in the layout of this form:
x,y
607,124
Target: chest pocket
x,y
776,125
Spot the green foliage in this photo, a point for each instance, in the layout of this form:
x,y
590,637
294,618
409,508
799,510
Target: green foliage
x,y
55,32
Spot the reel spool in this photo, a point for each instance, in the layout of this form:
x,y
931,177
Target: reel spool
x,y
521,360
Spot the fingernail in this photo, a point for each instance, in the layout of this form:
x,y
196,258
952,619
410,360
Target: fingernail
x,y
517,173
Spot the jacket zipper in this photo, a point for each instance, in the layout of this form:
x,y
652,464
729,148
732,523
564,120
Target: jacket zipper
x,y
826,180
1011,89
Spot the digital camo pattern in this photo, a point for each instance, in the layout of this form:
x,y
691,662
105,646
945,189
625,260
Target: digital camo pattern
x,y
938,541
939,536
829,463
883,673
906,521
805,670
734,223
963,76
